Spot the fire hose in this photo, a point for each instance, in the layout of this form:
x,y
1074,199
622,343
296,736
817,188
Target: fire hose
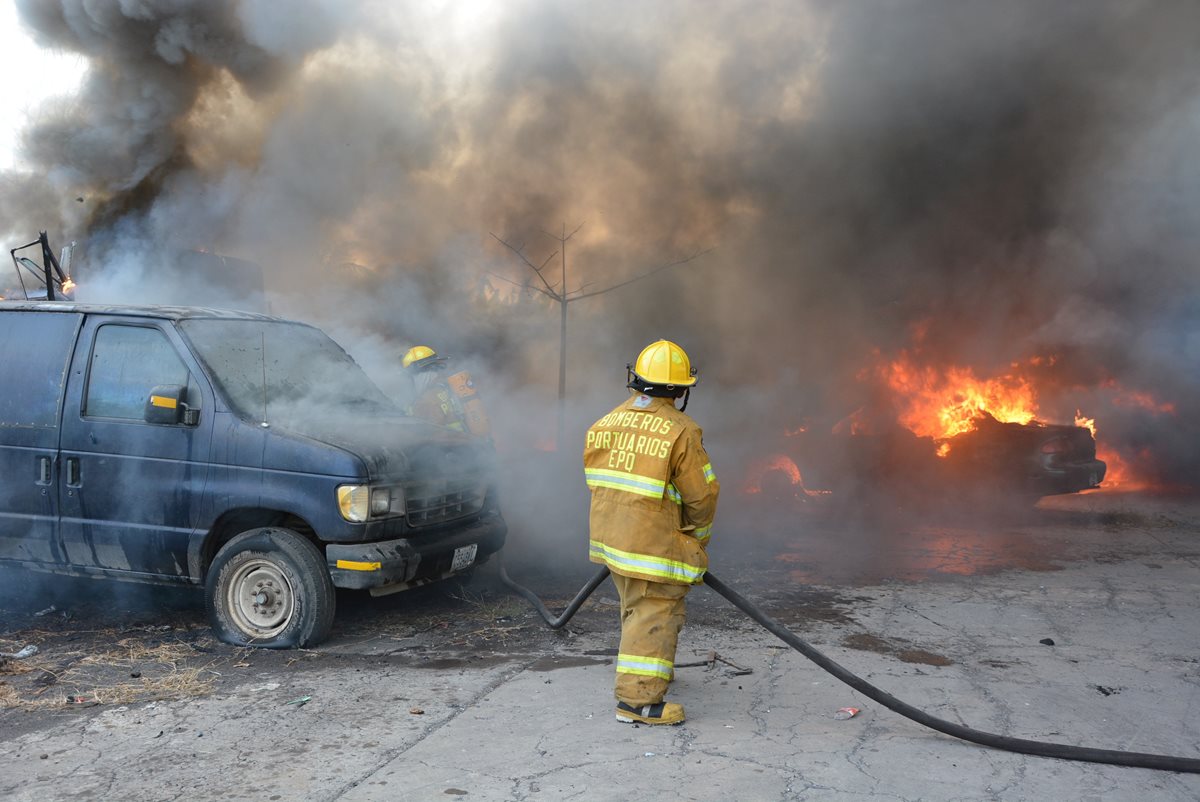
x,y
1006,743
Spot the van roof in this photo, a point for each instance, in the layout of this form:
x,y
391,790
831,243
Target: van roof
x,y
162,312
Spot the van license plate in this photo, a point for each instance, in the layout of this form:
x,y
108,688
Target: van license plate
x,y
464,557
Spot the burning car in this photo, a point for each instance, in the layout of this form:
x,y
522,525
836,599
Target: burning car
x,y
859,458
241,452
942,432
1031,459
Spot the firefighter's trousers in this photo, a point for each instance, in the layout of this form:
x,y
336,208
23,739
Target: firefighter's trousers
x,y
652,614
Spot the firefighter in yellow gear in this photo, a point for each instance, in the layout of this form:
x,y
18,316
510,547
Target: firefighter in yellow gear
x,y
654,495
452,402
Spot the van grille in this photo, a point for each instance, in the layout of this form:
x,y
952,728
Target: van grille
x,y
444,500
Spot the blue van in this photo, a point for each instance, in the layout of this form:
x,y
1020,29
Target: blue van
x,y
242,452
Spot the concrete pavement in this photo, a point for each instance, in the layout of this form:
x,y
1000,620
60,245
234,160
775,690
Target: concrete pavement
x,y
383,724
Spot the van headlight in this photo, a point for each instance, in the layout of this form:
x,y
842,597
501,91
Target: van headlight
x,y
357,503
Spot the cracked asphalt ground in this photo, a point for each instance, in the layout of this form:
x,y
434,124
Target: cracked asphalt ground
x,y
461,692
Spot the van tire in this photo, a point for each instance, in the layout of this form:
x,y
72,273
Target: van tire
x,y
270,588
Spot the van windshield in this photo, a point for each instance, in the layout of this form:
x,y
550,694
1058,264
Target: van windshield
x,y
276,371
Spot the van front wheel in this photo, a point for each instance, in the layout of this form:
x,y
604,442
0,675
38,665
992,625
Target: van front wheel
x,y
269,587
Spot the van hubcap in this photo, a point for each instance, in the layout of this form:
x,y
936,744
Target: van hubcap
x,y
260,599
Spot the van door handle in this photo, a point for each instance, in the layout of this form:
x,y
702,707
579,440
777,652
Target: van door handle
x,y
43,471
72,471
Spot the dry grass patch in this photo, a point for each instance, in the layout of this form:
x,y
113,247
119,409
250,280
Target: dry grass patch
x,y
111,668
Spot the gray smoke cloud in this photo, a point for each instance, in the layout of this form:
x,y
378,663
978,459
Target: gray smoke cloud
x,y
974,182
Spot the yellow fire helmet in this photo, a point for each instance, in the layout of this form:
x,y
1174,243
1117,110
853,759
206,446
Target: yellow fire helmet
x,y
662,365
420,356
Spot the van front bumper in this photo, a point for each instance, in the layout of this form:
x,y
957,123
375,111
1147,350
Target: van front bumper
x,y
408,562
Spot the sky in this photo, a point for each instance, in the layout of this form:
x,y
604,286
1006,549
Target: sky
x,y
28,74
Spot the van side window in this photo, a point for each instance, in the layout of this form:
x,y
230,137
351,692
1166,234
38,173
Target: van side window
x,y
34,347
127,363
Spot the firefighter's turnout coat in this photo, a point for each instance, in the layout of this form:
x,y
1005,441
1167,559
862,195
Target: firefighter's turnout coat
x,y
654,495
438,405
453,403
654,492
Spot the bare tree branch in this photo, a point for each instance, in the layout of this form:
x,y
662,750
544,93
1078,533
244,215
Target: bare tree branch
x,y
563,239
563,297
545,262
549,289
525,286
638,277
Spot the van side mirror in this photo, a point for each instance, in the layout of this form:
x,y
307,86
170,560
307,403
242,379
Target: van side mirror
x,y
165,405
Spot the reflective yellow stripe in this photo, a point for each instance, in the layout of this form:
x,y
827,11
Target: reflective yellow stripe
x,y
709,476
646,564
658,661
163,401
645,666
703,533
355,565
627,482
673,495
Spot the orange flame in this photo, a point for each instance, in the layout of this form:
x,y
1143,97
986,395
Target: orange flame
x,y
778,464
1120,475
944,403
941,403
762,467
1142,400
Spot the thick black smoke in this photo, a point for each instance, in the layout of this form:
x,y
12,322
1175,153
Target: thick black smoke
x,y
1007,179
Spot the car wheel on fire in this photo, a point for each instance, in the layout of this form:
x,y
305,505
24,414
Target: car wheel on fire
x,y
269,587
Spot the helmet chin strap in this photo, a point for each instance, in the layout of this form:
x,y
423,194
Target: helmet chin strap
x,y
637,384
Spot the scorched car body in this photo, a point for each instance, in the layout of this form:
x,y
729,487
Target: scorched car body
x,y
994,460
1034,459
